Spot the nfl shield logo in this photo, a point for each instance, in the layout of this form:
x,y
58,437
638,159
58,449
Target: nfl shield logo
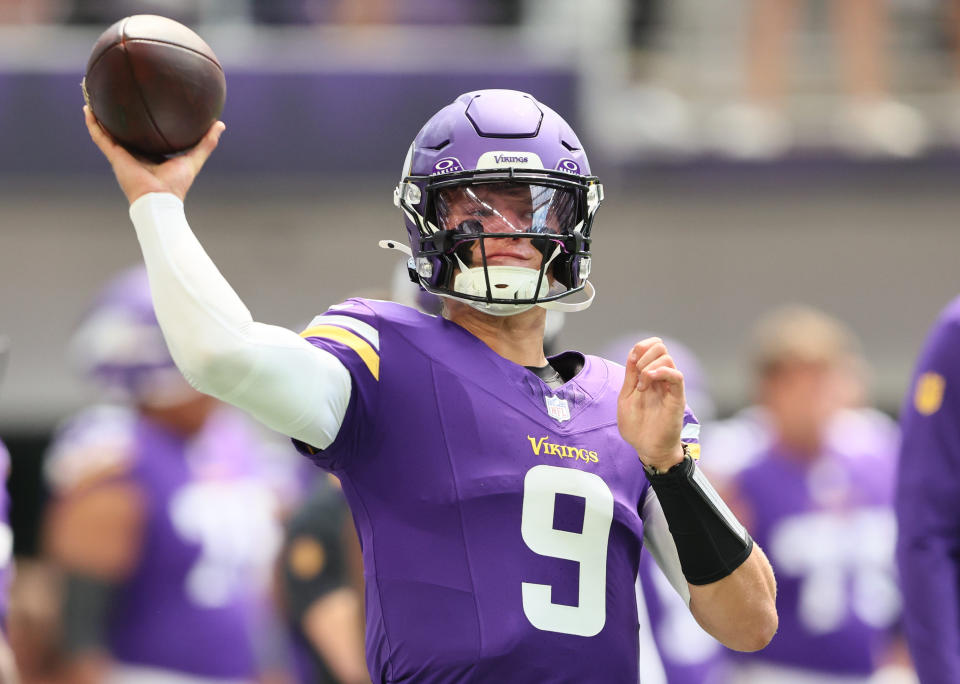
x,y
558,409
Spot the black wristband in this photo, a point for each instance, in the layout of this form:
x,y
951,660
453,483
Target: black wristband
x,y
710,540
85,613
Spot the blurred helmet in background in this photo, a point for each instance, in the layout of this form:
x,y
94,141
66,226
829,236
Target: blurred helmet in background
x,y
119,346
512,144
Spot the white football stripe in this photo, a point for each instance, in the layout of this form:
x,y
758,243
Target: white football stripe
x,y
690,431
368,332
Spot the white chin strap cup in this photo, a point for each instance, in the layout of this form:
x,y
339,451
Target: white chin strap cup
x,y
570,307
506,282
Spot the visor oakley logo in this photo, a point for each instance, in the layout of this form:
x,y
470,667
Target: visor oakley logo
x,y
561,450
448,165
502,159
568,165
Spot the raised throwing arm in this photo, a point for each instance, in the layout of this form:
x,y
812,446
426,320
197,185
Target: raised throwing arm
x,y
266,370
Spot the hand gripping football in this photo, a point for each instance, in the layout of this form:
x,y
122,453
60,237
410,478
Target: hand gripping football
x,y
154,85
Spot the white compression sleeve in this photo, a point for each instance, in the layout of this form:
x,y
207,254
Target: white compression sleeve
x,y
659,541
266,370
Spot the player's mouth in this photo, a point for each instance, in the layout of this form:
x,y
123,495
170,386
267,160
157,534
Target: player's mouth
x,y
513,259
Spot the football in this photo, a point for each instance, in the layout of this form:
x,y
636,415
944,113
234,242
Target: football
x,y
154,84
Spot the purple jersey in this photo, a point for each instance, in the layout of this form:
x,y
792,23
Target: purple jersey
x,y
928,505
827,527
6,537
209,528
498,518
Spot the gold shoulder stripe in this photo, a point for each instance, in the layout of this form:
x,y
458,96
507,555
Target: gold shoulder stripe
x,y
367,353
929,393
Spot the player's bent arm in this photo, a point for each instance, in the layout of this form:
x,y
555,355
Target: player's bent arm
x,y
269,371
333,626
8,665
739,610
96,530
710,559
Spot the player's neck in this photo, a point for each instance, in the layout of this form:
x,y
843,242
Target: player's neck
x,y
517,338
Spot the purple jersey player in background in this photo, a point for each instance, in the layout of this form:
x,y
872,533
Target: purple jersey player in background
x,y
501,497
816,487
928,496
161,518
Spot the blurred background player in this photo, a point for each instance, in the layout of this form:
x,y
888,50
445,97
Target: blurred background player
x,y
321,576
7,667
162,519
928,489
817,488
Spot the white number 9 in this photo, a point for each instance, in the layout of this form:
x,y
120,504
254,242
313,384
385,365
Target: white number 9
x,y
589,548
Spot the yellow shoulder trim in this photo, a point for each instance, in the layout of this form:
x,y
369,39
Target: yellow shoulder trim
x,y
367,353
929,393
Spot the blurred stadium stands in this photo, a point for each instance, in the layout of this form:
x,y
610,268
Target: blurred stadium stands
x,y
319,117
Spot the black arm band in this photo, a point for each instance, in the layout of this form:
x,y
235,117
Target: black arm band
x,y
86,611
710,541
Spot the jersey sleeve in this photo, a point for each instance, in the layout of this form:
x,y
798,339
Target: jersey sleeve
x,y
656,532
94,445
351,333
928,507
658,540
690,433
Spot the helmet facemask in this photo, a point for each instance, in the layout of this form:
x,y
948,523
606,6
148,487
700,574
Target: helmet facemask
x,y
503,241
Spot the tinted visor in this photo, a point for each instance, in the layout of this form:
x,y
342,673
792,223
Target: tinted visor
x,y
507,208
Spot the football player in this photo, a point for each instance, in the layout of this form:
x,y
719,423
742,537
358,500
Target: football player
x,y
161,516
319,585
816,487
501,497
928,490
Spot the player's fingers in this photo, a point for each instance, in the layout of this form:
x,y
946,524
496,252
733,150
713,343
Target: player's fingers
x,y
632,374
654,352
664,374
649,373
642,346
203,149
100,137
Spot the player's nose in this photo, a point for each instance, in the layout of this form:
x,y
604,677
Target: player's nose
x,y
508,222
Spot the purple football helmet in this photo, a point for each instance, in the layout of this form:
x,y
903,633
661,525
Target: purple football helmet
x,y
486,148
119,345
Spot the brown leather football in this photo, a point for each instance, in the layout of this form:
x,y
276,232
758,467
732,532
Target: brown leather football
x,y
154,84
